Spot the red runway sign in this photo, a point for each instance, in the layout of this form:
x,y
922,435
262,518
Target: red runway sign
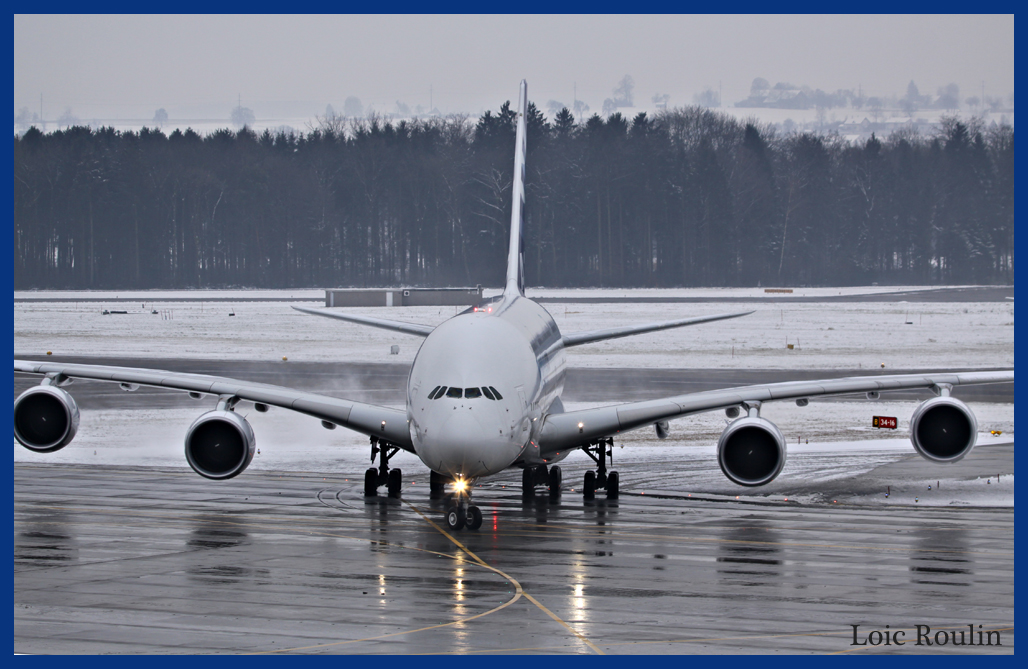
x,y
884,422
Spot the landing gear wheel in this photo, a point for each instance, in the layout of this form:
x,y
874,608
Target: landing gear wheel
x,y
528,481
612,485
589,487
395,481
436,483
555,481
455,518
474,518
371,482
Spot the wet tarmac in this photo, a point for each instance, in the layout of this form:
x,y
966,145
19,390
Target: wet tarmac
x,y
154,560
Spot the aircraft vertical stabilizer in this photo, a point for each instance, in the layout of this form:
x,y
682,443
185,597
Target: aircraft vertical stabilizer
x,y
515,284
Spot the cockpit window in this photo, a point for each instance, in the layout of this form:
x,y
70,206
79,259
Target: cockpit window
x,y
488,393
435,390
496,393
472,393
454,392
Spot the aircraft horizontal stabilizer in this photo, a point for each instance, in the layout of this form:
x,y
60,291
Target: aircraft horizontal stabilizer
x,y
579,338
385,324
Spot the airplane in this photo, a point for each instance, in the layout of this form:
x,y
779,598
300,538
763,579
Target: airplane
x,y
484,396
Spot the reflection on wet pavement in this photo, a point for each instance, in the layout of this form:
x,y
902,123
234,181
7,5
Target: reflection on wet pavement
x,y
942,559
750,555
278,562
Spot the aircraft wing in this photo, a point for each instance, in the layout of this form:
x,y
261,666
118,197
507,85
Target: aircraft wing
x,y
576,428
384,323
578,338
383,422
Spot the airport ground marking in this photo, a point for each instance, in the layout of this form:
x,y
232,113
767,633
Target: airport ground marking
x,y
636,536
529,597
623,535
295,530
517,595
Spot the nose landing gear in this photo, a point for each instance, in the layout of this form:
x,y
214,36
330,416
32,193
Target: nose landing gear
x,y
392,479
601,479
461,514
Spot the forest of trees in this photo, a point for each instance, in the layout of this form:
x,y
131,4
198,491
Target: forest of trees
x,y
688,197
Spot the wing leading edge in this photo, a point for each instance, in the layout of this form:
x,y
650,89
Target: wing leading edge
x,y
383,422
575,428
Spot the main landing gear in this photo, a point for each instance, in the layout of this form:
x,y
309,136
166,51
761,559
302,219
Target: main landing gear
x,y
436,484
534,475
392,479
599,451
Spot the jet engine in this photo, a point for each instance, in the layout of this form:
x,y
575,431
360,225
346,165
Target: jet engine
x,y
220,444
943,429
46,419
751,451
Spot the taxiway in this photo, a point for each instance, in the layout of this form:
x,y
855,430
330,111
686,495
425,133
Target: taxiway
x,y
158,560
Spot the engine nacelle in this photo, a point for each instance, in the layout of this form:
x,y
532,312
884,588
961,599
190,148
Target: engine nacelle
x,y
220,444
751,451
46,419
943,429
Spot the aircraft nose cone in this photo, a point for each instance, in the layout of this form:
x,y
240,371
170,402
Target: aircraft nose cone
x,y
464,446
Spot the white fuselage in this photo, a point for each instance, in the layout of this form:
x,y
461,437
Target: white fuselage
x,y
511,346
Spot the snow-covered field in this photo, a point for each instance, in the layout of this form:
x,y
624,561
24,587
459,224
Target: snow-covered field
x,y
535,292
828,441
852,335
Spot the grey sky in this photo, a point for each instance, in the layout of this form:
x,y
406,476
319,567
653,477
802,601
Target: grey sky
x,y
123,66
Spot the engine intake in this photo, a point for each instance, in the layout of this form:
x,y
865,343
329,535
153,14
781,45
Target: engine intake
x,y
943,429
220,444
46,419
751,451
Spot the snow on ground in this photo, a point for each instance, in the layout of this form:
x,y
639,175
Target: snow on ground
x,y
830,442
844,335
149,296
757,294
307,293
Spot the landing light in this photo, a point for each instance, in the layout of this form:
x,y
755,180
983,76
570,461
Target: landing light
x,y
460,485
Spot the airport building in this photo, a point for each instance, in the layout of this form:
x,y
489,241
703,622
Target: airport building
x,y
402,297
